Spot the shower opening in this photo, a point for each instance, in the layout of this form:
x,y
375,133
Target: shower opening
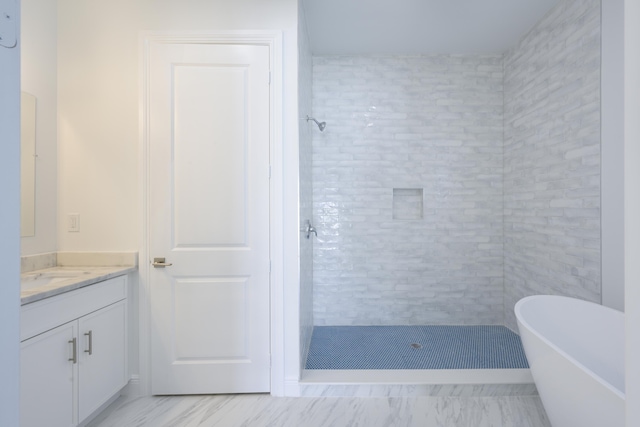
x,y
445,188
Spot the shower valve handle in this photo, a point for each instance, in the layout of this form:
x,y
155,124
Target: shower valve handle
x,y
311,229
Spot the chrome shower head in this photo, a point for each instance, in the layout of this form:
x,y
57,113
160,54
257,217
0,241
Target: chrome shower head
x,y
321,125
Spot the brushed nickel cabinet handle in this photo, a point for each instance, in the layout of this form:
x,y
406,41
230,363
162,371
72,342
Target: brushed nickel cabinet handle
x,y
90,349
74,351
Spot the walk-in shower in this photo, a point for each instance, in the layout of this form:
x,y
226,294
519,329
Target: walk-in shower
x,y
408,207
450,186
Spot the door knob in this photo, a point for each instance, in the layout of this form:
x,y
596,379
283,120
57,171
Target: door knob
x,y
160,263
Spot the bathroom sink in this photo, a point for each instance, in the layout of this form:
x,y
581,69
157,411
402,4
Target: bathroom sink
x,y
32,281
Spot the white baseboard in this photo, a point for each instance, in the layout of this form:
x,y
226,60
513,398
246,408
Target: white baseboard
x,y
292,388
132,389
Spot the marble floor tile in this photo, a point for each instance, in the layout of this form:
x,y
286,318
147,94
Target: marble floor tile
x,y
261,410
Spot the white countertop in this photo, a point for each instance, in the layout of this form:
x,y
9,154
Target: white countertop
x,y
64,279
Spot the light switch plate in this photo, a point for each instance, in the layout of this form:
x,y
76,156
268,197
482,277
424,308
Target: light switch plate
x,y
73,221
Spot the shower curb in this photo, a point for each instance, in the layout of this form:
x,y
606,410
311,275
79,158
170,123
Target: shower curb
x,y
408,383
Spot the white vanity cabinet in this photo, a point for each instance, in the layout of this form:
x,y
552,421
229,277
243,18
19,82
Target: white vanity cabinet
x,y
73,354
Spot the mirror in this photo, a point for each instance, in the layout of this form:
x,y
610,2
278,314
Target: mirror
x,y
27,165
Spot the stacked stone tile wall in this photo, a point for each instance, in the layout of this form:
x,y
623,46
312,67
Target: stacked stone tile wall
x,y
427,130
552,158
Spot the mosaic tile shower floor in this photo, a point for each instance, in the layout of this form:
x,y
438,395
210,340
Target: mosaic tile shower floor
x,y
415,347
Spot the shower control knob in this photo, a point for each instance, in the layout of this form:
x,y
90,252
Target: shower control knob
x,y
311,229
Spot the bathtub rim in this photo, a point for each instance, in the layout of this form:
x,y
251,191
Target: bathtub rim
x,y
527,325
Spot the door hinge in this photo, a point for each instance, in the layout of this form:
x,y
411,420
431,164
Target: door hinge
x,y
269,77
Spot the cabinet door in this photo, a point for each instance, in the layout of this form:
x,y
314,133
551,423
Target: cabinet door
x,y
47,385
103,358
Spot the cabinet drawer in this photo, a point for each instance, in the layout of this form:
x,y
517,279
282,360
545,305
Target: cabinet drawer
x,y
41,316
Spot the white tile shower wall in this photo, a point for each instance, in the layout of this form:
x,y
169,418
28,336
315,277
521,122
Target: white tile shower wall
x,y
420,122
552,157
305,70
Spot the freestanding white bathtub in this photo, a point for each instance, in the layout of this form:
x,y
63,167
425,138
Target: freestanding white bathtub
x,y
575,351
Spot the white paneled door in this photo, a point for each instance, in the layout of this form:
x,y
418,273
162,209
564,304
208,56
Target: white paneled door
x,y
208,112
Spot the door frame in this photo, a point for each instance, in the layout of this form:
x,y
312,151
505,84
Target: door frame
x,y
273,40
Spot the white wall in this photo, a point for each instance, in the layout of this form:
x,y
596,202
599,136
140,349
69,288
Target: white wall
x,y
632,207
39,77
10,229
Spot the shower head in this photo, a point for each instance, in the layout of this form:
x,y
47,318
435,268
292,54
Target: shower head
x,y
321,125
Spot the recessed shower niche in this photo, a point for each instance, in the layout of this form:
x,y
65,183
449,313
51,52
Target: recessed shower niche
x,y
408,203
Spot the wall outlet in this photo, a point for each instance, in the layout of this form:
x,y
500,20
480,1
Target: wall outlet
x,y
73,222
